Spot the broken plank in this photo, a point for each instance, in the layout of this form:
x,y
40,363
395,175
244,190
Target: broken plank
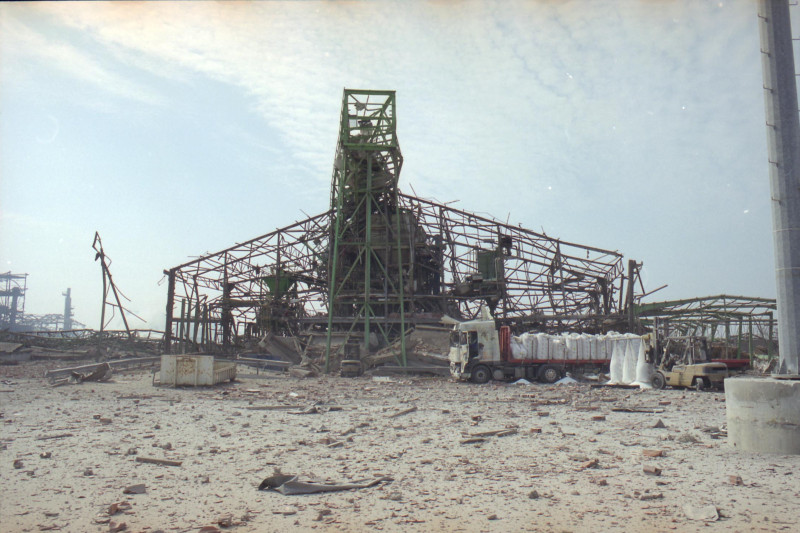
x,y
117,363
153,460
636,410
495,433
273,407
403,412
59,436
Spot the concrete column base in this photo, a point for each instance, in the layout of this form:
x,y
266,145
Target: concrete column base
x,y
763,415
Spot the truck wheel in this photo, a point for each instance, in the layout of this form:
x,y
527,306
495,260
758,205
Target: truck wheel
x,y
658,381
549,374
699,384
481,374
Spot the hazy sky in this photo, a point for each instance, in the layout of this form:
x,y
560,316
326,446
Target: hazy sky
x,y
176,129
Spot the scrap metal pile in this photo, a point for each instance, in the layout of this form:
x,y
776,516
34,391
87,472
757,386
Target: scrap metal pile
x,y
379,262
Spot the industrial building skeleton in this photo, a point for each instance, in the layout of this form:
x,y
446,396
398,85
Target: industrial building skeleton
x,y
386,261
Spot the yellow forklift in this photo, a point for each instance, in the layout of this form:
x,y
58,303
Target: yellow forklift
x,y
684,363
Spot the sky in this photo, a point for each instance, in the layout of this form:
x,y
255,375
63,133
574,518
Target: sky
x,y
177,129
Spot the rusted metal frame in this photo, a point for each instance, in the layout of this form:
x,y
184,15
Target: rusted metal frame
x,y
98,247
234,268
509,227
236,247
551,280
595,272
583,274
170,310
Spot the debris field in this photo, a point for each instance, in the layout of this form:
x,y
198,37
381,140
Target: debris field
x,y
412,453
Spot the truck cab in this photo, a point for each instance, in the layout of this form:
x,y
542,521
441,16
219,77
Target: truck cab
x,y
472,343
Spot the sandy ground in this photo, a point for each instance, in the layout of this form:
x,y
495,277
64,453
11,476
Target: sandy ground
x,y
574,464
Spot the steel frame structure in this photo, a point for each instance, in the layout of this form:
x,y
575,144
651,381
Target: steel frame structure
x,y
12,298
367,267
46,323
380,261
748,320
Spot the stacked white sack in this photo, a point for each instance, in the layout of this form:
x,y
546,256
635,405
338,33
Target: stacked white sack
x,y
531,345
617,360
629,368
644,371
557,347
584,350
518,348
571,342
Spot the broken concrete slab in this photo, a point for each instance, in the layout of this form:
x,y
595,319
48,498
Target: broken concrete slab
x,y
286,347
9,347
704,513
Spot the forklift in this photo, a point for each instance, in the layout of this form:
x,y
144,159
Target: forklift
x,y
684,363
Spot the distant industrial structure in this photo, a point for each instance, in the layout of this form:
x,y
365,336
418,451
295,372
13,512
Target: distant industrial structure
x,y
12,308
12,298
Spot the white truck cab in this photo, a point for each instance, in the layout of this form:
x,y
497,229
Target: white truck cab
x,y
474,340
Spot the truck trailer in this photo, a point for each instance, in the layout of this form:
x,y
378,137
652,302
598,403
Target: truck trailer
x,y
480,352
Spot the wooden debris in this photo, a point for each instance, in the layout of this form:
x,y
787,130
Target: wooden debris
x,y
403,412
139,488
495,433
272,407
651,496
58,436
650,410
594,463
153,460
114,527
653,453
118,507
651,470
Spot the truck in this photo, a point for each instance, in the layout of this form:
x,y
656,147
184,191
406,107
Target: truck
x,y
480,352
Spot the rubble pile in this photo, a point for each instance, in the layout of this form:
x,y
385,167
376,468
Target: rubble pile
x,y
417,453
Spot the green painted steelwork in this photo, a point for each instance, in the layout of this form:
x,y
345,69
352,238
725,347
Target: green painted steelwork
x,y
365,274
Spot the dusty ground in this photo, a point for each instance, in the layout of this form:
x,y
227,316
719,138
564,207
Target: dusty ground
x,y
526,481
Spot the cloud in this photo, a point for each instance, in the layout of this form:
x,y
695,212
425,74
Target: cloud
x,y
20,40
635,113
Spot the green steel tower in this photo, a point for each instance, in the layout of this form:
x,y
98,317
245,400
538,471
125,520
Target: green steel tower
x,y
367,263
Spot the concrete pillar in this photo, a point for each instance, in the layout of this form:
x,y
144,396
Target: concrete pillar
x,y
783,139
763,414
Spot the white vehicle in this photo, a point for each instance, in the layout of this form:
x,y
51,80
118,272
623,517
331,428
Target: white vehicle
x,y
479,352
